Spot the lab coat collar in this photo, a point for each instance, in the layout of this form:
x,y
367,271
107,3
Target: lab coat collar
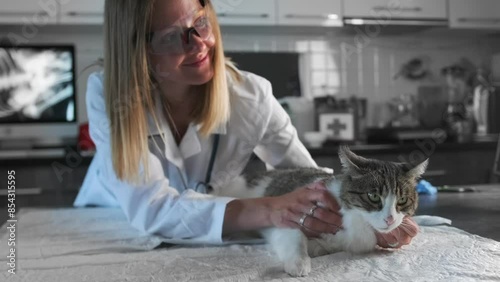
x,y
221,129
190,144
171,151
153,130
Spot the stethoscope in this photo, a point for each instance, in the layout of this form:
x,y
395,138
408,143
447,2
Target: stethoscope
x,y
204,186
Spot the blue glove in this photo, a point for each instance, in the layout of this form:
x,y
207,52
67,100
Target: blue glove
x,y
424,187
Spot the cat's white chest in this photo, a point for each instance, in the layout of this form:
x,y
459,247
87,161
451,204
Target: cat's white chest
x,y
356,237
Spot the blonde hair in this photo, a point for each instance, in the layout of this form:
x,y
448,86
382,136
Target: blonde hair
x,y
128,85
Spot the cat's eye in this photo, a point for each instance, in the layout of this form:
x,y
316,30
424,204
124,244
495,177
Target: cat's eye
x,y
374,197
402,200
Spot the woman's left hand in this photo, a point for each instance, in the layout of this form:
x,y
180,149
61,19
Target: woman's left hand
x,y
400,236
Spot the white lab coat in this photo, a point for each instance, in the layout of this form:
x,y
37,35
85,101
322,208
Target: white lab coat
x,y
258,124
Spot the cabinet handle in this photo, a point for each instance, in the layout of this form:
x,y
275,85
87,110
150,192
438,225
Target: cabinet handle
x,y
478,20
435,173
312,17
19,14
397,9
225,15
84,14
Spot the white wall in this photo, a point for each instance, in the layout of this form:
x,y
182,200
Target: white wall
x,y
335,63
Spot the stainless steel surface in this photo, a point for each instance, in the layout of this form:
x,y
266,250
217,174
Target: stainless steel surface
x,y
475,212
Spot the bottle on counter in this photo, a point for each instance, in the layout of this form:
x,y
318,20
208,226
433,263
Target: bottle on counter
x,y
463,129
481,98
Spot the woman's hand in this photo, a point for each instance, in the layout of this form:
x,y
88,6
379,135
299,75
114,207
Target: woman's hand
x,y
400,236
312,209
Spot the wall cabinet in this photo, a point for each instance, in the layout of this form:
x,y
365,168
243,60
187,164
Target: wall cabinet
x,y
310,13
402,9
475,14
82,12
243,12
28,12
479,14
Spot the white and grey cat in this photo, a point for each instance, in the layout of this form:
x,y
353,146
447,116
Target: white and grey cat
x,y
373,195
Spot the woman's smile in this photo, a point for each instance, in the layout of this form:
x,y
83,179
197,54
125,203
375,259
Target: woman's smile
x,y
201,61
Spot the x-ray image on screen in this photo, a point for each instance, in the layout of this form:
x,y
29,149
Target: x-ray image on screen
x,y
37,84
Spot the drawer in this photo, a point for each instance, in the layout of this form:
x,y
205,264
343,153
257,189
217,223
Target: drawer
x,y
475,14
402,9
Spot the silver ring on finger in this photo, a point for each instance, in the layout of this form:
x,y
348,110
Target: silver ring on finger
x,y
311,211
302,220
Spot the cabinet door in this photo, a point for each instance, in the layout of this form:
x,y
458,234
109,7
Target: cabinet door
x,y
245,12
310,13
402,9
29,12
475,14
82,12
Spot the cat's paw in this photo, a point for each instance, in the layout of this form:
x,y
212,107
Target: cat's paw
x,y
298,267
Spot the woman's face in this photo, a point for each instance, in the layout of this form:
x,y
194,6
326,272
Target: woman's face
x,y
192,63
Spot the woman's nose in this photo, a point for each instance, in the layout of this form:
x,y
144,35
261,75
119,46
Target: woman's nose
x,y
194,43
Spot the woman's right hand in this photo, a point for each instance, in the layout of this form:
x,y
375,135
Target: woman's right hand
x,y
288,210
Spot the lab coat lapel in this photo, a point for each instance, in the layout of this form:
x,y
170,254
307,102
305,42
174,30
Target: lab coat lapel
x,y
191,144
171,151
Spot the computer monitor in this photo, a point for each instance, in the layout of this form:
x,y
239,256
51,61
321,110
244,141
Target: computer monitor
x,y
37,95
280,68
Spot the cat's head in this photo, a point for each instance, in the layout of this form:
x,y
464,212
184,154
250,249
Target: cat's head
x,y
382,191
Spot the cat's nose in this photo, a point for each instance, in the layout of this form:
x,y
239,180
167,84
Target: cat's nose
x,y
389,220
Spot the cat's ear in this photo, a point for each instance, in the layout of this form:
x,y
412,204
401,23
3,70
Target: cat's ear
x,y
351,163
417,171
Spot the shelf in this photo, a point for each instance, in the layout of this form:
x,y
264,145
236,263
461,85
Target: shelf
x,y
329,149
32,154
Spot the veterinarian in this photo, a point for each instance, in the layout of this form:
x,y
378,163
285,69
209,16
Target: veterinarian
x,y
170,117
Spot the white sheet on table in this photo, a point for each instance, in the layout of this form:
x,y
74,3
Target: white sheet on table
x,y
98,245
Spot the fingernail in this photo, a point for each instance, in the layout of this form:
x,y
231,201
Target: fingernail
x,y
393,245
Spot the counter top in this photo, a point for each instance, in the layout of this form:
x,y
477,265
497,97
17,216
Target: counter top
x,y
328,149
332,148
475,212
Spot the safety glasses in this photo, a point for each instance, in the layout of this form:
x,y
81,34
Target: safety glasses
x,y
176,39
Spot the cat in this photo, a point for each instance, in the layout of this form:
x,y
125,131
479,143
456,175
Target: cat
x,y
373,195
